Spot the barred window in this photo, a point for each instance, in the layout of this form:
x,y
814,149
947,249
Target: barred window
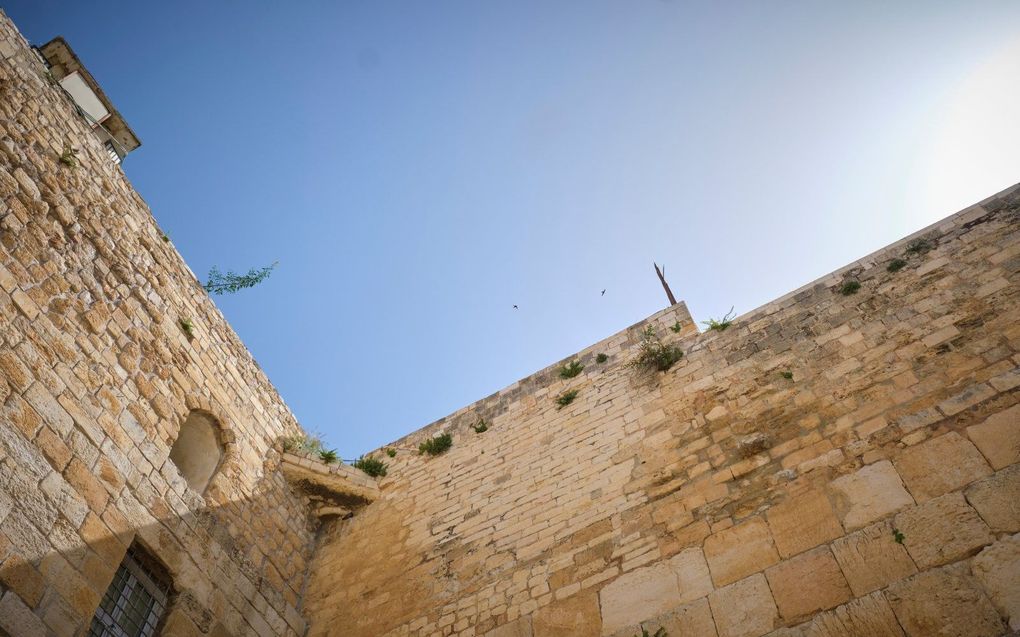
x,y
136,600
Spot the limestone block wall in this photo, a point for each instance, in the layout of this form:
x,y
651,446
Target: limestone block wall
x,y
96,378
832,464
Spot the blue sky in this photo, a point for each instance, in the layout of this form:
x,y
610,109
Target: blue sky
x,y
419,167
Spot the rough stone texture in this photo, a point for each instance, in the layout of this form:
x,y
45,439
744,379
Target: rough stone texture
x,y
744,608
691,619
807,583
521,627
942,530
872,559
736,552
527,524
941,465
647,591
869,494
943,602
868,616
803,522
998,437
997,499
998,569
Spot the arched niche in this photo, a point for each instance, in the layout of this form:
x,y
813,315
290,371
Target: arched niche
x,y
198,450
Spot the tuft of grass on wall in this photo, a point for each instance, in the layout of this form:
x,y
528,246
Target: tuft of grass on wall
x,y
850,287
370,465
720,324
436,445
654,354
919,246
601,358
328,455
572,369
69,157
566,398
676,327
895,265
391,453
187,327
481,427
788,375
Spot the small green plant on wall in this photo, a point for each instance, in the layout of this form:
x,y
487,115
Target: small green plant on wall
x,y
391,453
788,375
303,444
370,465
659,633
187,327
898,536
850,287
570,370
566,398
654,354
919,246
895,265
481,427
328,455
676,327
601,358
69,157
436,445
721,324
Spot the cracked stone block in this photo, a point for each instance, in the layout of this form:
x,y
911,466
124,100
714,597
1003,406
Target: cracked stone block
x,y
944,601
872,559
738,551
998,569
941,465
646,592
807,583
869,494
744,608
998,437
868,616
942,530
997,499
803,522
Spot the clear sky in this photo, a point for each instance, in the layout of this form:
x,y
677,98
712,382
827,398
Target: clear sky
x,y
418,168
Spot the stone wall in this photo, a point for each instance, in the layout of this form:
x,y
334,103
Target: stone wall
x,y
832,464
96,377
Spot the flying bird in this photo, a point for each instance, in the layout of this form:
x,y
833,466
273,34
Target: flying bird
x,y
515,307
603,292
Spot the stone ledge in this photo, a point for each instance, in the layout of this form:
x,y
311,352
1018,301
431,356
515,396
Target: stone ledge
x,y
335,489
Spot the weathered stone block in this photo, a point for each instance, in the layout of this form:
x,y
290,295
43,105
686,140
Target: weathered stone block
x,y
941,465
807,583
691,619
997,499
521,627
736,552
17,619
575,616
872,559
646,592
802,522
944,601
942,530
870,493
997,567
744,608
868,616
998,437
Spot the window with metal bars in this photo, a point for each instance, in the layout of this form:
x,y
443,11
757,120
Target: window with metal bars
x,y
136,600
